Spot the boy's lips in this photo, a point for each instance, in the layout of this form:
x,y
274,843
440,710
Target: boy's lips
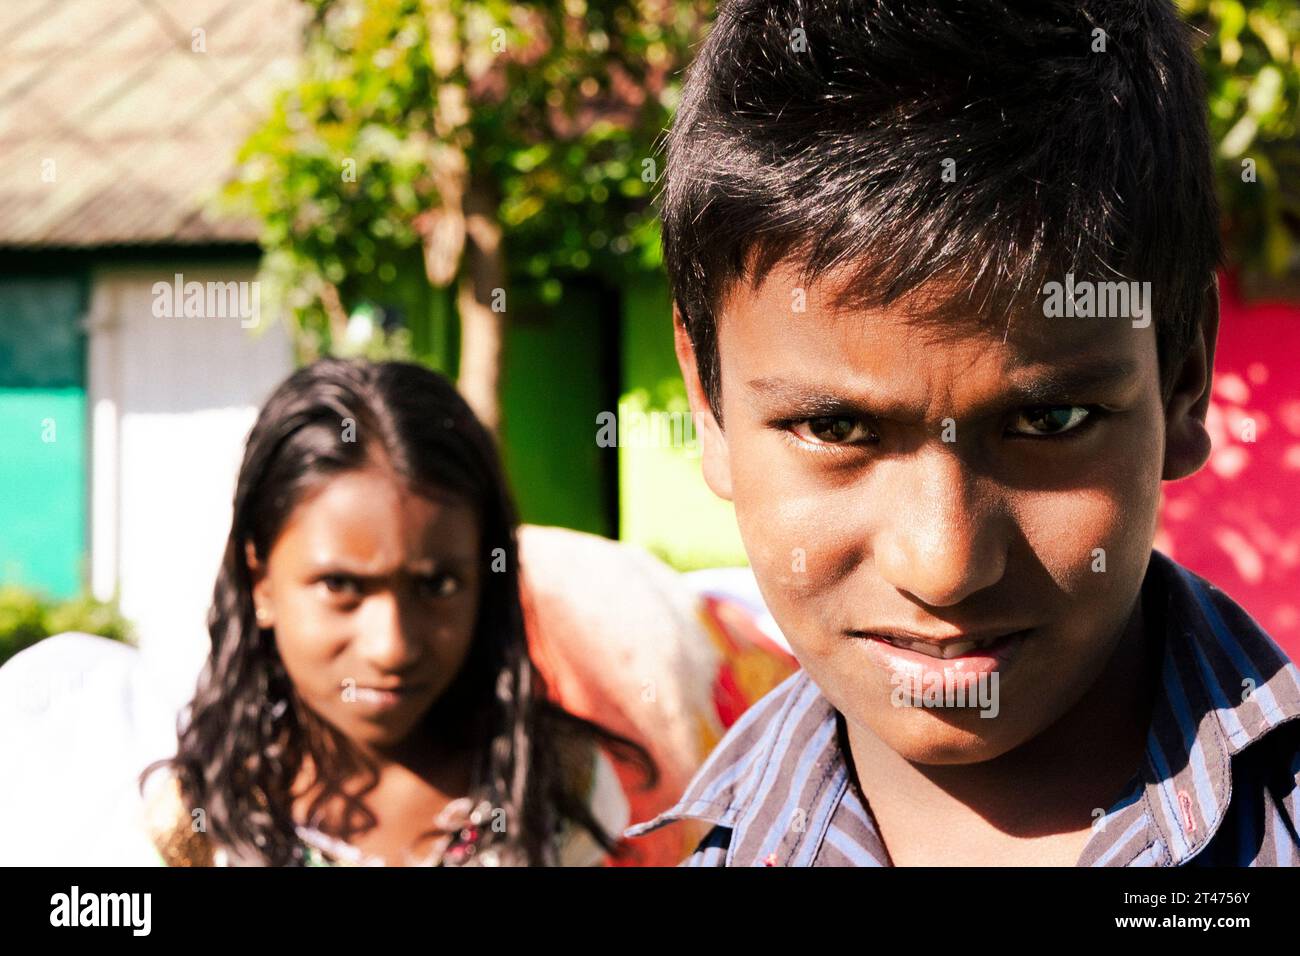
x,y
943,647
944,659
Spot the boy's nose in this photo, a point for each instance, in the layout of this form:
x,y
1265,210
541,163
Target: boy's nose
x,y
941,540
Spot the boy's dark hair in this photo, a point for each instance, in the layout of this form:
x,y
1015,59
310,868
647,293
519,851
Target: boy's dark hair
x,y
1077,128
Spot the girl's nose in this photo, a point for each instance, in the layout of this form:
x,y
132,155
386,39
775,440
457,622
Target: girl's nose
x,y
388,641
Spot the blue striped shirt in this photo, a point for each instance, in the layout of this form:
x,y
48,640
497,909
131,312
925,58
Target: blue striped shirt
x,y
1218,785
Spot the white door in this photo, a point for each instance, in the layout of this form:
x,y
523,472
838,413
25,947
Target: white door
x,y
172,399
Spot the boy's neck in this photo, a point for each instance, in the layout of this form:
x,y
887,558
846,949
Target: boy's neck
x,y
1049,785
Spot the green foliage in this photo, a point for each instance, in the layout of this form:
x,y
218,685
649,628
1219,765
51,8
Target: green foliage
x,y
1251,58
26,617
557,106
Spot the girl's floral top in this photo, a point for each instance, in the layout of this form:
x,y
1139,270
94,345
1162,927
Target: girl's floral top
x,y
179,838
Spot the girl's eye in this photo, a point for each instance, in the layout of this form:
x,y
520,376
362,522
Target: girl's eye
x,y
340,584
1050,420
832,430
441,585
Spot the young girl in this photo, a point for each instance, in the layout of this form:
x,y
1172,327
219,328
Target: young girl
x,y
369,696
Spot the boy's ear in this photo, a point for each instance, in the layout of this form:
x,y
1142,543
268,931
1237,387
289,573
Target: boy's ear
x,y
261,589
715,458
1187,443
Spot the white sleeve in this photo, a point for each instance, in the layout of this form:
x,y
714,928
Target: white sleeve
x,y
610,808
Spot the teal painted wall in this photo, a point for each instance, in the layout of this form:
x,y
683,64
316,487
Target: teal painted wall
x,y
43,440
42,488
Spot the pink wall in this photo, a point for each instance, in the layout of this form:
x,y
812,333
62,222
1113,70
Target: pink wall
x,y
1237,522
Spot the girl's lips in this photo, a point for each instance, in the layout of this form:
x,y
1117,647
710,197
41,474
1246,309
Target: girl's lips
x,y
376,700
915,665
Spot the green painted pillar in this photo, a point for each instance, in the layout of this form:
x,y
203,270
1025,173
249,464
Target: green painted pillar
x,y
43,438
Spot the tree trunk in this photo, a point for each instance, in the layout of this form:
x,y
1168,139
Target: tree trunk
x,y
467,214
482,287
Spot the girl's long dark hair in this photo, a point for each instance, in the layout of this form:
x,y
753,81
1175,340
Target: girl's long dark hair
x,y
243,738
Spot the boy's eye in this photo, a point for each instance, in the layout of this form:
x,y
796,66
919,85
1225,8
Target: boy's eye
x,y
440,585
832,430
1050,420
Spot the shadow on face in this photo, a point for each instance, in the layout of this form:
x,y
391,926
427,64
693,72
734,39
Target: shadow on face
x,y
372,591
893,476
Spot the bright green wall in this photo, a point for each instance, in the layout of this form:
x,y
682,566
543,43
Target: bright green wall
x,y
554,385
665,506
554,381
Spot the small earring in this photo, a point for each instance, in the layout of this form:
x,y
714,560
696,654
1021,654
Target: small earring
x,y
262,616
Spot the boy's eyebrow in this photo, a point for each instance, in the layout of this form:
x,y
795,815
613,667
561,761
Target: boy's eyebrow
x,y
1058,383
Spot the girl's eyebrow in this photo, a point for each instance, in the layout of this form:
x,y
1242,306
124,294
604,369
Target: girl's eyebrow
x,y
339,566
364,571
449,562
1045,385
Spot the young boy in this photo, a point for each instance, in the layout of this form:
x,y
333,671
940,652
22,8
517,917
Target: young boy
x,y
944,294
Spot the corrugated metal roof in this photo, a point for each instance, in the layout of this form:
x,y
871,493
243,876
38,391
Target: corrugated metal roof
x,y
140,128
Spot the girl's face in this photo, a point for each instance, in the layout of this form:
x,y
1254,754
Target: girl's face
x,y
372,591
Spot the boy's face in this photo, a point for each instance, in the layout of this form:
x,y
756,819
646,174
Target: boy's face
x,y
943,481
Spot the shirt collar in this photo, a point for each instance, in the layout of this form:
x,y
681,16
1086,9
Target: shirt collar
x,y
1224,685
778,776
775,778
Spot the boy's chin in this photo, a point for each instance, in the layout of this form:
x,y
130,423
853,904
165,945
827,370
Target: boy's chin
x,y
945,738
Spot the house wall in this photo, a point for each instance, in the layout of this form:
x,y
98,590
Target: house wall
x,y
171,401
560,369
42,431
559,372
665,506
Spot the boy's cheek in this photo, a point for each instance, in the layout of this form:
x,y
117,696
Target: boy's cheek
x,y
1088,536
812,607
810,545
799,545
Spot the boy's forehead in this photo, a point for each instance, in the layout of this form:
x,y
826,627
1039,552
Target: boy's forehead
x,y
782,330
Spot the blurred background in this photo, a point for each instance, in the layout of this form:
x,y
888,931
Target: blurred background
x,y
197,195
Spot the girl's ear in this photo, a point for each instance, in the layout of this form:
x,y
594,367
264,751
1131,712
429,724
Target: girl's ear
x,y
262,608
